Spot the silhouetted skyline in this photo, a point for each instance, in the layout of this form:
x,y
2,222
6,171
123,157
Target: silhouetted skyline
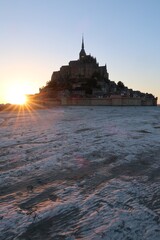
x,y
37,37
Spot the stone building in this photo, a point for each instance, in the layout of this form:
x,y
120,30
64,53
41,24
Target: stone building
x,y
82,76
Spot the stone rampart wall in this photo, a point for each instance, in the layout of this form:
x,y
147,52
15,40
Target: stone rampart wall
x,y
119,101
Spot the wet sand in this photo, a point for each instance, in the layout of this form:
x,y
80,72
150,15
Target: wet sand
x,y
80,173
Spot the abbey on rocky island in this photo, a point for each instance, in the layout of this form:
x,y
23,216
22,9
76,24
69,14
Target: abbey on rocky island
x,y
84,78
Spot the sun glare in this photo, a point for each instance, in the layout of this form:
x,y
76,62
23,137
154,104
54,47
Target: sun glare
x,y
16,97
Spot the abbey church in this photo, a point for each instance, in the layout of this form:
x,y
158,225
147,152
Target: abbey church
x,y
86,67
82,77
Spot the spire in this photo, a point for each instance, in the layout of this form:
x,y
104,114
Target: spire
x,y
82,53
82,42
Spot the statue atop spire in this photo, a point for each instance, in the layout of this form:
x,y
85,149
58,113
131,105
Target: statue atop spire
x,y
82,53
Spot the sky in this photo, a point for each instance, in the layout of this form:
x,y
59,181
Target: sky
x,y
37,37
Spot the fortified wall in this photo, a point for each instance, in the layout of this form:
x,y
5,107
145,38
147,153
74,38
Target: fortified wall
x,y
118,101
112,101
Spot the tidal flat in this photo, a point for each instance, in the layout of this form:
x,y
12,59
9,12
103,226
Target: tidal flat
x,y
71,173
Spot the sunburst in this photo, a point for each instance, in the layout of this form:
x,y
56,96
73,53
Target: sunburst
x,y
16,96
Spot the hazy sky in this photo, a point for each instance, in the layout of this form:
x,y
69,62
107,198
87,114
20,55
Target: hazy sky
x,y
39,36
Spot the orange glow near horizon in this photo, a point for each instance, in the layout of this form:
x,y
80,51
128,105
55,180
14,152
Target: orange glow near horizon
x,y
16,93
18,98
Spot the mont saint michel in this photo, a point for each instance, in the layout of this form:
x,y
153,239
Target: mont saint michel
x,y
84,82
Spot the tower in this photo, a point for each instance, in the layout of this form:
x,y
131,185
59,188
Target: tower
x,y
82,53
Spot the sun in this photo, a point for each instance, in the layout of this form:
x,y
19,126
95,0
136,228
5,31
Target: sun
x,y
19,99
16,96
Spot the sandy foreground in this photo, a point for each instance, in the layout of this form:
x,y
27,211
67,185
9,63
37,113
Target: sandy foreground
x,y
80,173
